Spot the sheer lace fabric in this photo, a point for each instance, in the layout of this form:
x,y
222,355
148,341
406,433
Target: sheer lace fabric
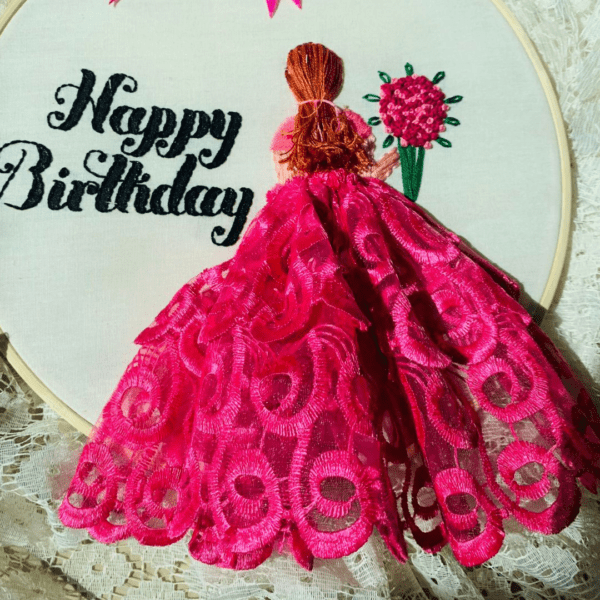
x,y
42,559
355,365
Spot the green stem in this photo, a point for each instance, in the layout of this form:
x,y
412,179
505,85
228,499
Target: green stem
x,y
418,173
412,161
407,169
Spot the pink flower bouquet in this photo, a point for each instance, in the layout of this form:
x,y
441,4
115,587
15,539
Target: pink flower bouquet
x,y
414,110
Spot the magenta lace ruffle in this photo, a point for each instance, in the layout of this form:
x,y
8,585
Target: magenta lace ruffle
x,y
355,365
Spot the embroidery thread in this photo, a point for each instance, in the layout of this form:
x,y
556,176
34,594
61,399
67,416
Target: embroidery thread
x,y
414,110
273,4
121,183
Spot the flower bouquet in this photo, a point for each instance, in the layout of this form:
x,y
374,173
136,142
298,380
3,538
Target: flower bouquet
x,y
414,110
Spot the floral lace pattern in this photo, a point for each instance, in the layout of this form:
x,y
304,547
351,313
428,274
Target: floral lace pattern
x,y
355,365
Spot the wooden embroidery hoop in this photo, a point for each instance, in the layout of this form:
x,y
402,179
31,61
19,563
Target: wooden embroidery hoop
x,y
76,420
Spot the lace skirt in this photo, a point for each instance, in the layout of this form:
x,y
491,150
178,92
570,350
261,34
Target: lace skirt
x,y
354,365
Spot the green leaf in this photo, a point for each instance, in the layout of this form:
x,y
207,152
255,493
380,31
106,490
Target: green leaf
x,y
453,100
409,69
439,76
444,142
372,98
374,121
389,140
452,121
384,77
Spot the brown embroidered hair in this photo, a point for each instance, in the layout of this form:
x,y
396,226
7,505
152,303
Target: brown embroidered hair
x,y
323,137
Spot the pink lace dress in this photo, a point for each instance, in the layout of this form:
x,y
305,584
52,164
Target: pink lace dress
x,y
354,365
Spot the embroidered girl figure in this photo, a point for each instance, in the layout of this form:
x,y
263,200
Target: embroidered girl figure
x,y
322,136
354,365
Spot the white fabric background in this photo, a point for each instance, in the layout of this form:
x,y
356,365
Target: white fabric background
x,y
41,560
78,287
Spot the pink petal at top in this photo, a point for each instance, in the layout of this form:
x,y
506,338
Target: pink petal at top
x,y
273,4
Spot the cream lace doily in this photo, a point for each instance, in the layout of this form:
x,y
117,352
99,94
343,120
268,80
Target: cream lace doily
x,y
40,559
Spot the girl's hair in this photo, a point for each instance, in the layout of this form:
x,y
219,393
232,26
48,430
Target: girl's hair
x,y
323,137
